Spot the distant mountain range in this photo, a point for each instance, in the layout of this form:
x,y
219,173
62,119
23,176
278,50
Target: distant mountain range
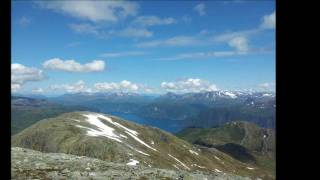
x,y
112,139
213,108
205,109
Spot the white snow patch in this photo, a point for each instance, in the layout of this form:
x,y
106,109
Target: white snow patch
x,y
267,94
138,150
176,167
152,142
114,123
103,130
93,119
133,162
202,167
179,162
140,141
123,136
142,152
193,152
217,158
230,94
250,168
217,170
184,146
264,136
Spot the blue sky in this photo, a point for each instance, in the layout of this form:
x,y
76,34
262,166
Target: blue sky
x,y
148,47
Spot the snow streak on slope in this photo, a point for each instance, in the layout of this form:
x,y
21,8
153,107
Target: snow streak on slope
x,y
179,162
193,152
230,94
103,130
133,162
130,132
109,132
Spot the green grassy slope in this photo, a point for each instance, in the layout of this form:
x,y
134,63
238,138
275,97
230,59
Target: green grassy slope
x,y
242,140
62,134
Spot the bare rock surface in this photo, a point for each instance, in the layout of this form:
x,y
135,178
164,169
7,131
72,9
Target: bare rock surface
x,y
31,164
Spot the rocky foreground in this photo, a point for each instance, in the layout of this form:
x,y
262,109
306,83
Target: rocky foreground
x,y
30,164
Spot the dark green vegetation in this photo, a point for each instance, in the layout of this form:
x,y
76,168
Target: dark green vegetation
x,y
242,140
27,111
116,140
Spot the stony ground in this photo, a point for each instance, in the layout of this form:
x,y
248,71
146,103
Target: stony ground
x,y
30,164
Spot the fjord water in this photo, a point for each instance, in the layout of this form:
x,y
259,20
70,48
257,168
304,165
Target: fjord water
x,y
172,126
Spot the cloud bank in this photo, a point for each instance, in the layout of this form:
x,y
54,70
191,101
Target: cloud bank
x,y
200,9
189,85
73,66
95,11
21,74
269,21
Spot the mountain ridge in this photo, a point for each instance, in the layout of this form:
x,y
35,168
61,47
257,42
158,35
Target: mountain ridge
x,y
112,139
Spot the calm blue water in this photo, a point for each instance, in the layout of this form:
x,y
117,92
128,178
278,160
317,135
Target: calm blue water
x,y
164,124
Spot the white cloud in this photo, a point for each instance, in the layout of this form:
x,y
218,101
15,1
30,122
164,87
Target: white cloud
x,y
227,36
72,44
269,21
37,90
73,66
21,74
204,32
237,40
95,11
121,86
189,85
122,54
149,90
15,87
79,86
174,41
186,19
24,21
85,28
201,55
267,86
153,20
240,44
200,8
135,33
200,39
